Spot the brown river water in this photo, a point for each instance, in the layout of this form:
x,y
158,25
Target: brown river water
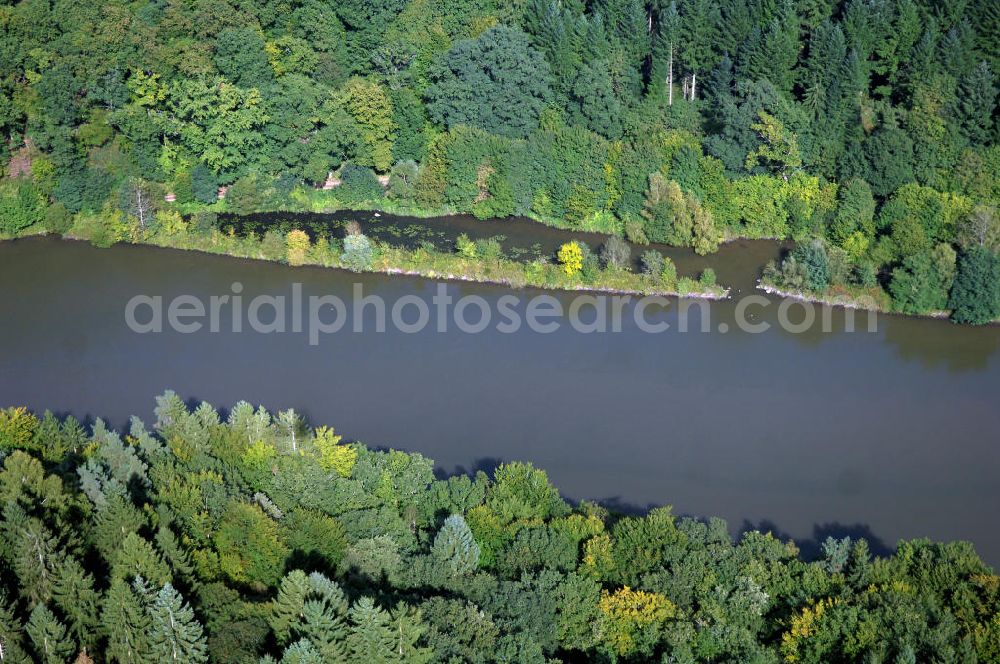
x,y
888,434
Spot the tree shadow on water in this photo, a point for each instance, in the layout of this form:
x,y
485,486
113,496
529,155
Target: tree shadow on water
x,y
483,464
811,548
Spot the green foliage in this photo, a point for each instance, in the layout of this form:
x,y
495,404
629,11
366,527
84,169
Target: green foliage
x,y
778,150
922,283
21,205
360,184
454,546
175,635
496,82
240,56
975,295
204,186
899,96
49,637
358,253
807,267
512,573
250,548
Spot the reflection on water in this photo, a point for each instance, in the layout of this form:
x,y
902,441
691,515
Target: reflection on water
x,y
938,343
891,433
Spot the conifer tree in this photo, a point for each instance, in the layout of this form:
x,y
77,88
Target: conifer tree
x,y
371,639
175,635
312,607
699,27
74,595
125,622
174,553
32,552
977,94
11,636
407,629
48,636
454,546
136,557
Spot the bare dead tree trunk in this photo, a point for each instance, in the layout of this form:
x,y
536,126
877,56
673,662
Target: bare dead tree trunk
x,y
140,208
693,79
670,77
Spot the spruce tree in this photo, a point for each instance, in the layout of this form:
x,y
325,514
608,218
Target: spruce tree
x,y
301,652
125,623
32,552
372,639
11,636
136,557
175,635
408,628
313,607
977,94
286,609
48,636
74,595
454,546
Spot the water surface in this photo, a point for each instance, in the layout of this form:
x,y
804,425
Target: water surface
x,y
890,435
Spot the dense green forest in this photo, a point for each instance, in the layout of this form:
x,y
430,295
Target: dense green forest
x,y
866,129
258,539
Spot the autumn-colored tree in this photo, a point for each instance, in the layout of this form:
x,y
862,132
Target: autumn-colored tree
x,y
571,258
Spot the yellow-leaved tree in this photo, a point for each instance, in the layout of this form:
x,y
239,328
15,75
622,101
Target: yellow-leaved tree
x,y
630,621
332,455
571,258
297,243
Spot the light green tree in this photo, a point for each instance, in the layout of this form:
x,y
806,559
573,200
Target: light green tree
x,y
175,635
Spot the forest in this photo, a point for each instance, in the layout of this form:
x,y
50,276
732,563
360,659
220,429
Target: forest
x,y
866,130
247,537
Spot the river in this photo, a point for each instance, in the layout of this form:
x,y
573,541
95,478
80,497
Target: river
x,y
888,435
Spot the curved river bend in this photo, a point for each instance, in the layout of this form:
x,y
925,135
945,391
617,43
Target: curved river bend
x,y
888,435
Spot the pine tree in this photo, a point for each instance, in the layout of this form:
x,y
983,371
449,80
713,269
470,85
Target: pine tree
x,y
49,436
126,624
175,634
699,27
113,523
49,637
372,639
454,546
665,48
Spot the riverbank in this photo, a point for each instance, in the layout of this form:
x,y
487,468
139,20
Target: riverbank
x,y
423,261
433,264
863,301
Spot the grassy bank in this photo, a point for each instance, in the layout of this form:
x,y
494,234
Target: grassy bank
x,y
849,297
480,262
